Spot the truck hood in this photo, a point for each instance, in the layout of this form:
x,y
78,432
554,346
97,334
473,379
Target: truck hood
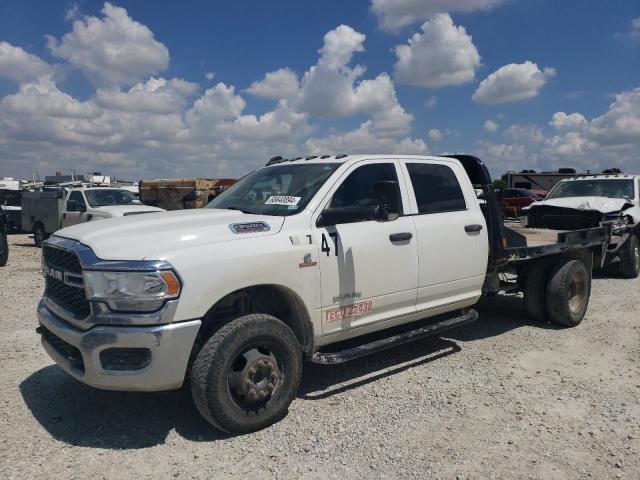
x,y
121,210
600,204
154,237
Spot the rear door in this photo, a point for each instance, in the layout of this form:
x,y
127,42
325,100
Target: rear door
x,y
368,268
452,237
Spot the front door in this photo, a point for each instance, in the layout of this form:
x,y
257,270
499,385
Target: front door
x,y
368,264
75,210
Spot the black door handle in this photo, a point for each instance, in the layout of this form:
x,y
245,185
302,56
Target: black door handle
x,y
399,237
472,228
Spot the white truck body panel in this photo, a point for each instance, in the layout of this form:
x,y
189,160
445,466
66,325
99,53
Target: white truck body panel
x,y
399,280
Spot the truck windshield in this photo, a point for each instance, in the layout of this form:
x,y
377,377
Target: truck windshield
x,y
106,197
593,188
280,190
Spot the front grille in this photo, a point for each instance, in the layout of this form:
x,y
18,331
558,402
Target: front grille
x,y
68,351
61,259
70,298
559,218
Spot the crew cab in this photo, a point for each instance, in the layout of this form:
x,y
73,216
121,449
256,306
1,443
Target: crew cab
x,y
45,212
589,201
323,259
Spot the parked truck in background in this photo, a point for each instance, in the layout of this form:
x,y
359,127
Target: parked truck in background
x,y
45,212
182,193
321,259
591,201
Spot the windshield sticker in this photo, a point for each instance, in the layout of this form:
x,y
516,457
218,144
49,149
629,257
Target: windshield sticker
x,y
282,200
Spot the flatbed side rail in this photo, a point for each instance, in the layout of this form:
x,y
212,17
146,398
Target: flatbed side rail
x,y
567,242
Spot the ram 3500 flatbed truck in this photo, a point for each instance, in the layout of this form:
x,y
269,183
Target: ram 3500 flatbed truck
x,y
285,266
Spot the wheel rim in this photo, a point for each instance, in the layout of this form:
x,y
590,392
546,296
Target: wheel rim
x,y
255,378
577,291
636,256
38,235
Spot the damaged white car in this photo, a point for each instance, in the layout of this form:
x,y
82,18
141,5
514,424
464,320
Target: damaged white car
x,y
586,202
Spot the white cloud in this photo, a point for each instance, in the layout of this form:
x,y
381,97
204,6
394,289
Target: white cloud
x,y
394,14
490,126
444,54
431,102
364,139
434,134
156,95
528,133
73,12
43,98
155,126
19,65
113,50
329,88
512,82
209,76
562,121
635,27
279,84
609,140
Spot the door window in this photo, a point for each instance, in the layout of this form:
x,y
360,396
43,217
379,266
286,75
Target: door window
x,y
436,188
76,202
366,192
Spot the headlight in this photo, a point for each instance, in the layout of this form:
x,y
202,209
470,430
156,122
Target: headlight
x,y
131,291
618,223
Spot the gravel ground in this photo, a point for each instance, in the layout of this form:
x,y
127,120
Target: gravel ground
x,y
502,398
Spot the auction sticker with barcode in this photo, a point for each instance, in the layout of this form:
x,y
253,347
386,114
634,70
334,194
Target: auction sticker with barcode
x,y
282,200
354,310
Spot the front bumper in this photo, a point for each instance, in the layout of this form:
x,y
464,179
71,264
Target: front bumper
x,y
78,352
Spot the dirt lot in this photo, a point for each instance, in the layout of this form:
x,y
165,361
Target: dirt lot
x,y
503,398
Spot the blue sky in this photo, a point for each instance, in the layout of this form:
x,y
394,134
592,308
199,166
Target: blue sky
x,y
575,103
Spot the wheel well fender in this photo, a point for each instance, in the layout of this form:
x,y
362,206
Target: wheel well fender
x,y
276,300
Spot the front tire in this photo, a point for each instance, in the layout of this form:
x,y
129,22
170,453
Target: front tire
x,y
568,292
629,265
39,235
247,374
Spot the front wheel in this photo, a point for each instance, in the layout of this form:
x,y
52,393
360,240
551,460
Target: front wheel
x,y
629,265
247,374
568,292
39,235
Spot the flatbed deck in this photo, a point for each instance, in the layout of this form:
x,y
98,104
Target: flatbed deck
x,y
526,243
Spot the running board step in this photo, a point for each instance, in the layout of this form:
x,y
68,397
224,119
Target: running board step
x,y
349,354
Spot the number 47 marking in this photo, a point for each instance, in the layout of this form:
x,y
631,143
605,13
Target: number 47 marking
x,y
325,245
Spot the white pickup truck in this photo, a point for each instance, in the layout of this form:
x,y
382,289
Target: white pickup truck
x,y
44,213
590,201
285,266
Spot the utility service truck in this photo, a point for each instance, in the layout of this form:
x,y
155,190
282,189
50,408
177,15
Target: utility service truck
x,y
323,259
45,212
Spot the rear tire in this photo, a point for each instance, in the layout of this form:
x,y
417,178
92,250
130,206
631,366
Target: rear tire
x,y
568,292
4,247
247,374
629,265
535,289
39,235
